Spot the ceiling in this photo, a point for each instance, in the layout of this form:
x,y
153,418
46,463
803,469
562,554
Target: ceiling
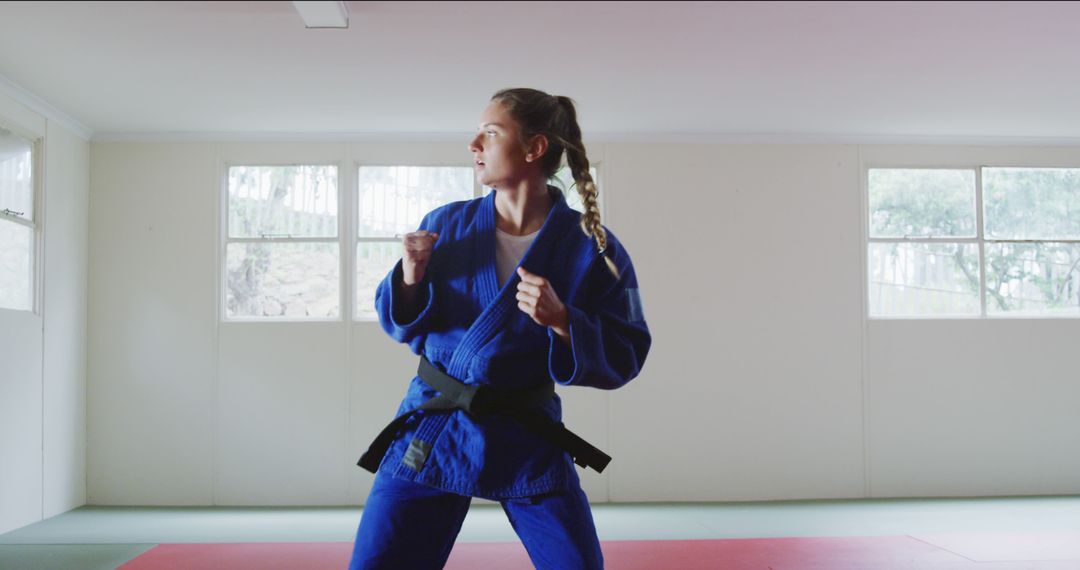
x,y
636,69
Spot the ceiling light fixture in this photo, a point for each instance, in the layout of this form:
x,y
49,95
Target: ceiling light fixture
x,y
323,14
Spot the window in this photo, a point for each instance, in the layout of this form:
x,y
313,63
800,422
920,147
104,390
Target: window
x,y
282,233
391,202
282,246
18,230
992,241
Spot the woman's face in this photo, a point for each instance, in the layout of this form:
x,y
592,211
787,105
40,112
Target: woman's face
x,y
498,158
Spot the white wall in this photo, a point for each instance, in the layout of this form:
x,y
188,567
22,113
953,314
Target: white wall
x,y
749,262
151,342
766,380
67,195
43,355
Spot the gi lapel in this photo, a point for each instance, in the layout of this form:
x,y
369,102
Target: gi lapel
x,y
498,303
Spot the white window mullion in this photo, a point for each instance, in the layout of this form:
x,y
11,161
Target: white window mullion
x,y
346,231
924,240
979,217
37,266
282,239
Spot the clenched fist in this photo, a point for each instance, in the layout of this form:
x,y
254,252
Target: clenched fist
x,y
418,248
537,298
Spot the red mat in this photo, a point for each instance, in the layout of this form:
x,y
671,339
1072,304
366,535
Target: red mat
x,y
831,553
1012,546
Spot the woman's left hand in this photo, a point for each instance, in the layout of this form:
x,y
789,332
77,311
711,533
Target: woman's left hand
x,y
537,298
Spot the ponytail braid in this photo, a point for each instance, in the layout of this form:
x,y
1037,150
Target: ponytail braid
x,y
556,118
586,187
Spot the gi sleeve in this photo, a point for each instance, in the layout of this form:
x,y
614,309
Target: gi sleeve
x,y
609,339
401,323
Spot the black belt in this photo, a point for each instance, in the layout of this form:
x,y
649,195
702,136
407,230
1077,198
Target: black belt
x,y
520,405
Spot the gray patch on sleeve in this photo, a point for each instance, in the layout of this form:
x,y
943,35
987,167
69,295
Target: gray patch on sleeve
x,y
417,454
634,311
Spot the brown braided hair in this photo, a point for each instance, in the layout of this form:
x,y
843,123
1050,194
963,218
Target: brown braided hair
x,y
538,113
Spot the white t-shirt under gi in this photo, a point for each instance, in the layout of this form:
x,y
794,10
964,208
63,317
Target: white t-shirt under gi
x,y
509,249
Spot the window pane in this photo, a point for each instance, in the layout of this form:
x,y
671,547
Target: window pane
x,y
922,203
16,265
1029,278
393,199
565,181
16,175
282,280
373,262
300,201
1032,203
923,279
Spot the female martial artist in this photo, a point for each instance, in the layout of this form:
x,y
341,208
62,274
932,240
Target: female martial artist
x,y
502,296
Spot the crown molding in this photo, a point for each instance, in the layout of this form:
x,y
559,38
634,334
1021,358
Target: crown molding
x,y
630,138
42,107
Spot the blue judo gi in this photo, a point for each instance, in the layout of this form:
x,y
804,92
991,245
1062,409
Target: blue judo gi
x,y
471,328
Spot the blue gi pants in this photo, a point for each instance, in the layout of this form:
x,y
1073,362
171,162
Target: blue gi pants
x,y
413,526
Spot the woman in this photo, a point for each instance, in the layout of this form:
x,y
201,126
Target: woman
x,y
502,297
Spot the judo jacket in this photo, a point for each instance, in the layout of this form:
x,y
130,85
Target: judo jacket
x,y
472,329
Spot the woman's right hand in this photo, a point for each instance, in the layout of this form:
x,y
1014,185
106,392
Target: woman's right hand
x,y
418,248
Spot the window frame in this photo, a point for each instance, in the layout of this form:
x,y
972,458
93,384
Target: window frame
x,y
37,220
348,238
224,241
354,218
980,238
